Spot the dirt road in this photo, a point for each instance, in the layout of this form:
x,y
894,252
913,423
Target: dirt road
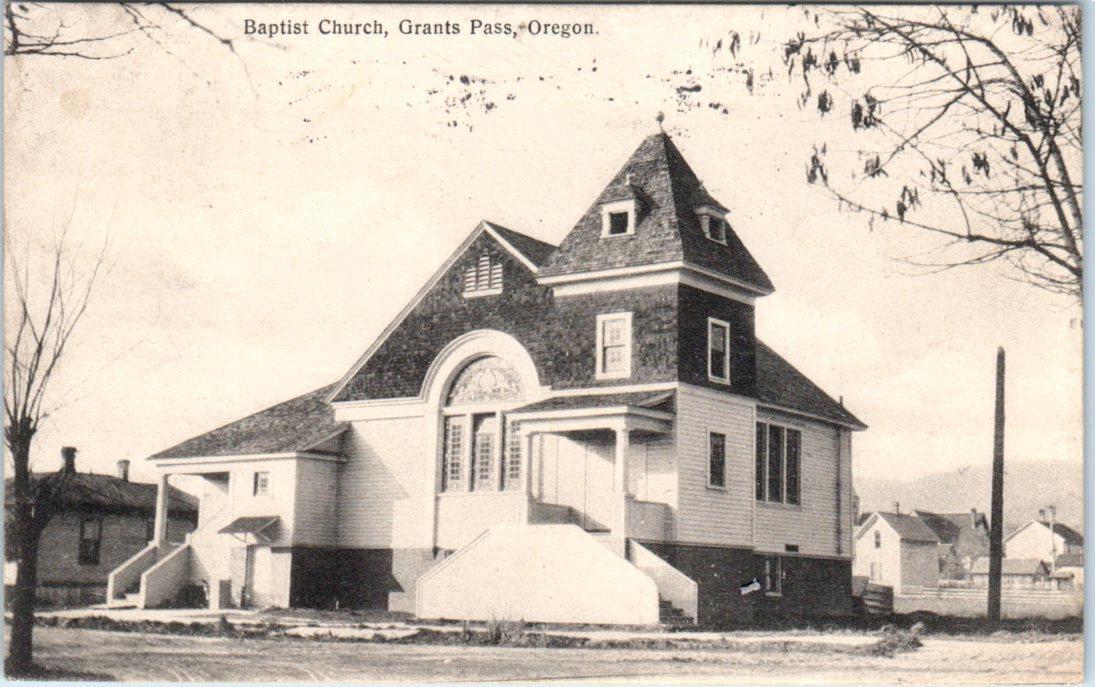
x,y
132,656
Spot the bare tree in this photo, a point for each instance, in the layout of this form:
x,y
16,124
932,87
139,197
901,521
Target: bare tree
x,y
42,29
967,129
40,318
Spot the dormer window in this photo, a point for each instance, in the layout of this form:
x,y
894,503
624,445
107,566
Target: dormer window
x,y
484,278
619,218
713,224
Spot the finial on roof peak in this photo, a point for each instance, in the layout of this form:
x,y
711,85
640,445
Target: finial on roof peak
x,y
660,119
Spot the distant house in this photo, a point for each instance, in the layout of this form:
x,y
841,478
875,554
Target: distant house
x,y
1016,573
896,550
1034,540
963,538
1071,564
104,520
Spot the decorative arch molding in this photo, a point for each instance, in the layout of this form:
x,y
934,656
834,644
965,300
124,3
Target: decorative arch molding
x,y
467,348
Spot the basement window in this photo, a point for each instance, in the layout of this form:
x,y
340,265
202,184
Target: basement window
x,y
773,575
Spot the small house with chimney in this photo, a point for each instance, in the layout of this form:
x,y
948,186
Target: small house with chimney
x,y
1043,540
102,521
583,433
896,550
963,538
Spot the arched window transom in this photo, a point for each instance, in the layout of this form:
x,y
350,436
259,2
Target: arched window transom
x,y
486,380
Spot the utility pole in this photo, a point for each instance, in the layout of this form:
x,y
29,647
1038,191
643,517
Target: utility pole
x,y
1052,538
996,536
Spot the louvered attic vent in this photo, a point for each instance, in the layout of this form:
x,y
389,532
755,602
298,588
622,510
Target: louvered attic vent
x,y
484,278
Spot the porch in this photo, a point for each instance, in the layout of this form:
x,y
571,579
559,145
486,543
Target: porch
x,y
575,460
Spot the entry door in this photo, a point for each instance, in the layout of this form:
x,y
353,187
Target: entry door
x,y
242,573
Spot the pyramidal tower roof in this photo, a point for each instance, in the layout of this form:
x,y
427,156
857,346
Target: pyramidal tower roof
x,y
667,230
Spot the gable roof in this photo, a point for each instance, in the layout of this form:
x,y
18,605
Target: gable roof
x,y
949,526
667,229
531,252
534,250
295,425
1011,566
780,384
1069,535
908,527
86,490
1070,560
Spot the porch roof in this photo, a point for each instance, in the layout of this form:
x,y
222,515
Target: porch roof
x,y
299,424
249,524
650,400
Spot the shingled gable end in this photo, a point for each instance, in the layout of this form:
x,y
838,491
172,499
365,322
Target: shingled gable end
x,y
606,395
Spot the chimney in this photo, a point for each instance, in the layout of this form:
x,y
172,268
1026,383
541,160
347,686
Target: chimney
x,y
897,507
1041,514
973,517
68,455
123,470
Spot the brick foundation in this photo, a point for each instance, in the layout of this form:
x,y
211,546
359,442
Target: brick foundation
x,y
811,586
357,578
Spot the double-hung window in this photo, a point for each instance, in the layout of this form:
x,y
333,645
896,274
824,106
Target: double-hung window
x,y
91,539
778,464
261,484
718,350
716,460
614,346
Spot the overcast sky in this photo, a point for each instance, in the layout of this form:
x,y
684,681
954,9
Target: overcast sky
x,y
270,211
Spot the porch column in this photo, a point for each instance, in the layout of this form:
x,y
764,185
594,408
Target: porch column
x,y
159,536
623,444
621,498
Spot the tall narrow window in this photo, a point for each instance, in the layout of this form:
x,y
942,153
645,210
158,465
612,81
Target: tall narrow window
x,y
511,460
91,537
614,346
775,464
794,441
485,430
779,464
718,350
452,459
716,460
762,453
877,539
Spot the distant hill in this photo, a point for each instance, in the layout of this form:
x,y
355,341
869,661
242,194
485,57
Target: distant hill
x,y
1028,486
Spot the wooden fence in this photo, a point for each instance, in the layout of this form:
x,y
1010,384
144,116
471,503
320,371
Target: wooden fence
x,y
972,603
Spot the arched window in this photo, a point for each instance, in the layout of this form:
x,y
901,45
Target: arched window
x,y
481,450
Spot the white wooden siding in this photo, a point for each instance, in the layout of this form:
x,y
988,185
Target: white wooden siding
x,y
815,523
386,464
886,558
316,516
704,515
